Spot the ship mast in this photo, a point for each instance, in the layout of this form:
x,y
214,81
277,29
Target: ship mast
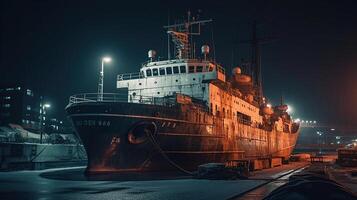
x,y
181,35
256,69
256,62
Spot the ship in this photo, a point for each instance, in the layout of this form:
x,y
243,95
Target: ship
x,y
181,112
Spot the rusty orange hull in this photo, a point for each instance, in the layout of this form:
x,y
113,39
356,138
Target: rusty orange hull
x,y
133,137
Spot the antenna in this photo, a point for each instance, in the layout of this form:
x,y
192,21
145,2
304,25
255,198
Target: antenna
x,y
181,35
168,36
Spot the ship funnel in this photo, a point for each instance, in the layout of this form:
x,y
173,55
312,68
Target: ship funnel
x,y
205,51
151,55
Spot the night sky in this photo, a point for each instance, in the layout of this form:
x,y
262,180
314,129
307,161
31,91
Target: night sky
x,y
55,47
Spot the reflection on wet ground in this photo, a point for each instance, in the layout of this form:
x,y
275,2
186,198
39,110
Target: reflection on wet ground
x,y
71,183
78,174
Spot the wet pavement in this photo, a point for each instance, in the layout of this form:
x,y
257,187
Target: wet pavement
x,y
263,191
70,183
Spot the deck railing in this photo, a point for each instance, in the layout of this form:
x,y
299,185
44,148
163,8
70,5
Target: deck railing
x,y
129,76
113,97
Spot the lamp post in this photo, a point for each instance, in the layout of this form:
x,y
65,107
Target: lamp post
x,y
320,140
43,106
101,78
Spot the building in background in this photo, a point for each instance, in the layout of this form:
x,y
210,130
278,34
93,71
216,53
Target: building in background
x,y
54,125
19,105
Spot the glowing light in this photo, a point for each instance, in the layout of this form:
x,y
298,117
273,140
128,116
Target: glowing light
x,y
332,129
297,120
46,105
269,105
290,109
107,59
314,122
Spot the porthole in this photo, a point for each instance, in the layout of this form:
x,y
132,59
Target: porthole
x,y
194,79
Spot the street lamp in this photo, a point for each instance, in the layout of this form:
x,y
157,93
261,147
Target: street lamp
x,y
101,78
42,112
321,140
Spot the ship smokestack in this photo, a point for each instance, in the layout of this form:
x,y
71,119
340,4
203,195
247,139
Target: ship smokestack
x,y
205,51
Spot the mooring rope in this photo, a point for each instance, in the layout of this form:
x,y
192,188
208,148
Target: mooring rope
x,y
158,147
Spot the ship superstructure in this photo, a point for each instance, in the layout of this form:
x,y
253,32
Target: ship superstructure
x,y
180,113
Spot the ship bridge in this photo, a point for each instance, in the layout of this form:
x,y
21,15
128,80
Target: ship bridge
x,y
164,78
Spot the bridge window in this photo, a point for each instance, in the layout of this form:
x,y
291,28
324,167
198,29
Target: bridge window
x,y
162,71
168,70
199,68
183,69
176,70
148,72
191,69
155,72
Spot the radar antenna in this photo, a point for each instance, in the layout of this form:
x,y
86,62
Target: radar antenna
x,y
181,33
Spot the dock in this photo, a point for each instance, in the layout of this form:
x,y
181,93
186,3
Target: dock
x,y
70,183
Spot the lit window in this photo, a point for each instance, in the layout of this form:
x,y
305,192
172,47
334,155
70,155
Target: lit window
x,y
162,71
168,70
28,107
6,105
176,70
7,97
29,92
191,69
183,69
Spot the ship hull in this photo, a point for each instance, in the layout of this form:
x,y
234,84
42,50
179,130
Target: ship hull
x,y
138,137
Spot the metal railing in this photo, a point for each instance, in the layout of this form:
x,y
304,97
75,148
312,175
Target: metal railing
x,y
113,97
129,76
